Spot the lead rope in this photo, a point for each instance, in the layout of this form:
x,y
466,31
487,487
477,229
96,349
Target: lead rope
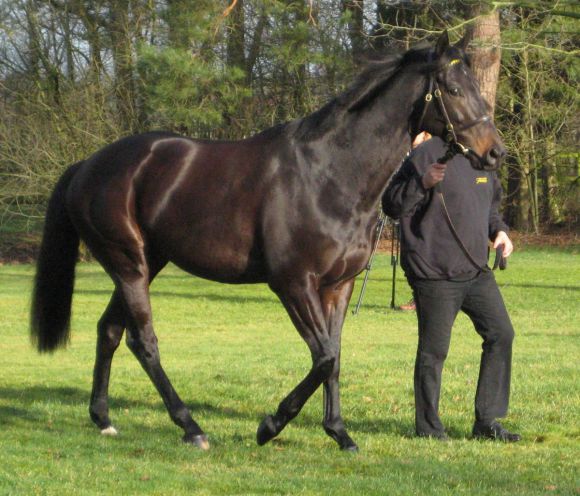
x,y
454,231
449,154
500,261
453,148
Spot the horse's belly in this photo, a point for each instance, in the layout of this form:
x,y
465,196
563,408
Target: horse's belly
x,y
222,260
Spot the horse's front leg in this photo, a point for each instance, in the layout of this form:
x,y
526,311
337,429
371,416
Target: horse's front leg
x,y
303,303
335,303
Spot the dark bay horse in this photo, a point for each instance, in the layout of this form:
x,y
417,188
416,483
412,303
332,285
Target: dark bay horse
x,y
294,207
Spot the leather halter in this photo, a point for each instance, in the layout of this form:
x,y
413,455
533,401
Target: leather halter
x,y
454,145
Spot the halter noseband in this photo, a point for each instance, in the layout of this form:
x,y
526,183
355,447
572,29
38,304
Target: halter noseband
x,y
454,145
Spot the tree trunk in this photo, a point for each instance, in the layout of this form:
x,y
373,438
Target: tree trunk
x,y
354,9
39,55
236,37
531,166
550,211
68,43
256,44
122,45
484,35
91,25
34,47
176,18
293,72
513,197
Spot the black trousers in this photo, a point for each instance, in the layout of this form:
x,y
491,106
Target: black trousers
x,y
438,303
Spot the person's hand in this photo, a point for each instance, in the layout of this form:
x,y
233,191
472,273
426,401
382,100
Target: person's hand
x,y
435,174
420,139
503,239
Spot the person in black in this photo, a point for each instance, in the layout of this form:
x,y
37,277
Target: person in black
x,y
446,279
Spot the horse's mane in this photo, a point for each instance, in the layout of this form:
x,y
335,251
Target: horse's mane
x,y
378,72
376,75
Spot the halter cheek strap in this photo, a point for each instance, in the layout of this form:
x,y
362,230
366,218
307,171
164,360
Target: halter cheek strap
x,y
451,135
454,145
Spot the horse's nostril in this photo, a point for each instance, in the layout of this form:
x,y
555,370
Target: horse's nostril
x,y
497,153
491,157
494,155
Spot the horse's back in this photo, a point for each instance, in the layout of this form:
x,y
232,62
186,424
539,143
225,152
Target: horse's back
x,y
206,211
193,202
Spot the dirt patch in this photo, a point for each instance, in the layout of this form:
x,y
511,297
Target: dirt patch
x,y
556,239
568,240
23,248
18,248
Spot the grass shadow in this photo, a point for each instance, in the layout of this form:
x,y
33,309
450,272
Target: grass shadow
x,y
189,296
539,286
26,404
18,275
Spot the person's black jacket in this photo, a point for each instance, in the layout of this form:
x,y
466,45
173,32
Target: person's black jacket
x,y
428,248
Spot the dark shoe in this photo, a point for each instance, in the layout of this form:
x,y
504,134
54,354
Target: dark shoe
x,y
494,431
409,306
439,436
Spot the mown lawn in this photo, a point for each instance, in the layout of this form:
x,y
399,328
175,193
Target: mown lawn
x,y
233,354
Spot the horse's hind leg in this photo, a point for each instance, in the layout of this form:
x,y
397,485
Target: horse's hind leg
x,y
109,334
142,341
110,331
131,271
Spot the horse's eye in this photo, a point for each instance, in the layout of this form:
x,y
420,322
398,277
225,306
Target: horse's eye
x,y
455,91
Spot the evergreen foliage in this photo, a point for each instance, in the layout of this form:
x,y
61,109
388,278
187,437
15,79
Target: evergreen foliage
x,y
77,75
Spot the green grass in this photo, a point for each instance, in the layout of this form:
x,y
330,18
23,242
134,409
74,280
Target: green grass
x,y
233,354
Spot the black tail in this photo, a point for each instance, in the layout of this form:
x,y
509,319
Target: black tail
x,y
55,272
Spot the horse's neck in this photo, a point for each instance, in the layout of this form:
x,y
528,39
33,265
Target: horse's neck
x,y
364,148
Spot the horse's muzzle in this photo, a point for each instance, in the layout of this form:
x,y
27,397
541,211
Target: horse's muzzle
x,y
493,157
490,161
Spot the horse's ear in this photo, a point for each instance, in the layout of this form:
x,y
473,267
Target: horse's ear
x,y
442,43
463,43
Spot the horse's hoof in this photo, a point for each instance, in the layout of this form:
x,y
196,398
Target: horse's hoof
x,y
347,444
266,430
109,431
351,448
199,440
344,441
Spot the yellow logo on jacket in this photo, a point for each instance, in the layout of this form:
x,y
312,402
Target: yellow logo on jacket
x,y
481,180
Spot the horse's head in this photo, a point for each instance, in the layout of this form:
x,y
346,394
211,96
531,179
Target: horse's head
x,y
452,107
